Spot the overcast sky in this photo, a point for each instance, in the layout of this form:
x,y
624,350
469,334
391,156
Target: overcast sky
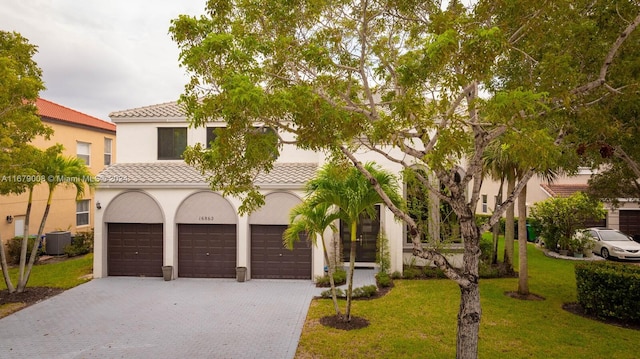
x,y
100,56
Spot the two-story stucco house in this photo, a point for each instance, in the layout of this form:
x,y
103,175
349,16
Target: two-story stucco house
x,y
157,211
84,136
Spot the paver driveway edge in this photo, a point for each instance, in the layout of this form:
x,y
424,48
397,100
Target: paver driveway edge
x,y
118,317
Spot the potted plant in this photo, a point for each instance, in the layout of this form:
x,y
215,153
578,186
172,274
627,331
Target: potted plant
x,y
564,244
581,243
587,243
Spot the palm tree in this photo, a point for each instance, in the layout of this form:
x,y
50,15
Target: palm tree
x,y
500,167
57,170
314,220
40,158
348,189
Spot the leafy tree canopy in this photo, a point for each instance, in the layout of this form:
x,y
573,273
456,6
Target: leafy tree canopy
x,y
20,84
423,84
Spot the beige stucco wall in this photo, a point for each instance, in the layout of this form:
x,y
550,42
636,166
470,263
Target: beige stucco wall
x,y
62,215
535,193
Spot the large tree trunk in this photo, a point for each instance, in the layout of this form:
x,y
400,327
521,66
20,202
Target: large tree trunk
x,y
523,281
509,230
352,265
5,268
470,310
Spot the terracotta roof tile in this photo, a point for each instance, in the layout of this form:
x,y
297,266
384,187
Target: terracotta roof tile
x,y
132,175
563,190
57,112
167,109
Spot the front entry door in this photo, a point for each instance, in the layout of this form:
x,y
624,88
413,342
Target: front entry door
x,y
366,238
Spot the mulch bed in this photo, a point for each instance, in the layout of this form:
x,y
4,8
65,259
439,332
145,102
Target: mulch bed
x,y
31,295
337,322
577,309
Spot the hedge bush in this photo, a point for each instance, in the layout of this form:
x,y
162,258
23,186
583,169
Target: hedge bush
x,y
14,247
81,244
609,290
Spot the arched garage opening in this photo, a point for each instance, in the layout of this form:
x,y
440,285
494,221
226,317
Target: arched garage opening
x,y
207,237
134,236
269,258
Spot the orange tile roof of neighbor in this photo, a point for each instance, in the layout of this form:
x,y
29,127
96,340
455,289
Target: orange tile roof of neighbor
x,y
57,112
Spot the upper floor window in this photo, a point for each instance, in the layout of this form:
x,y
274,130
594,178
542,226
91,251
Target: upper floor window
x,y
485,206
83,152
82,212
211,135
107,151
172,141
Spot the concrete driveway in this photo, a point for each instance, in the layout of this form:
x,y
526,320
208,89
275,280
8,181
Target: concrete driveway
x,y
119,317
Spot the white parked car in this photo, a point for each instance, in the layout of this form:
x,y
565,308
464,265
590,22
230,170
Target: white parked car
x,y
613,243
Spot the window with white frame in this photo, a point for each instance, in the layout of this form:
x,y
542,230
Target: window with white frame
x,y
172,141
107,151
485,208
83,151
82,212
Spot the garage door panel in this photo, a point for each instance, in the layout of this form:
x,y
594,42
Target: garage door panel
x,y
134,249
269,258
207,250
630,223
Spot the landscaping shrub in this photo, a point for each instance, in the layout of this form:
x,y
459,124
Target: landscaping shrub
x,y
411,273
609,290
557,219
486,249
339,293
367,291
383,257
383,279
339,277
396,275
433,272
81,243
14,246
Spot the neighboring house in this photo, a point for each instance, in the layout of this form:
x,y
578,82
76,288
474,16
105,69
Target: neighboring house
x,y
625,218
157,211
83,136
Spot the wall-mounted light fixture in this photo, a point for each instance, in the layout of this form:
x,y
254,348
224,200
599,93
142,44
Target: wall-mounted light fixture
x,y
98,206
9,219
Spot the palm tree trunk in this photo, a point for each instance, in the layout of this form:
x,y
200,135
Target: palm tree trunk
x,y
509,230
352,264
523,281
32,259
5,268
332,282
496,226
25,239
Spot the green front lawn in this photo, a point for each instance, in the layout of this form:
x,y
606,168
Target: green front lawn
x,y
417,319
65,274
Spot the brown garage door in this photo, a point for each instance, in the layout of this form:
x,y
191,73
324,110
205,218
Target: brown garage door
x,y
269,258
207,250
134,249
630,223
